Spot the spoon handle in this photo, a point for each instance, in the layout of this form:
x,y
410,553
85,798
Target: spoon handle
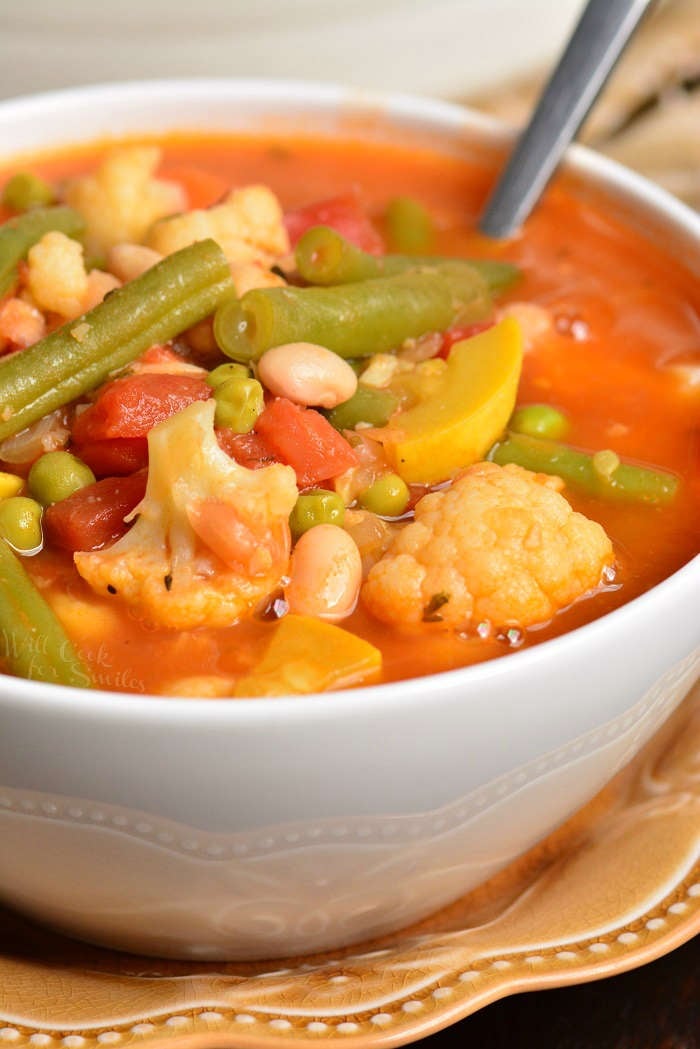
x,y
590,55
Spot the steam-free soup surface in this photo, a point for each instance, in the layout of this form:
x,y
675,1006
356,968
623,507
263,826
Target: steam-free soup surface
x,y
611,341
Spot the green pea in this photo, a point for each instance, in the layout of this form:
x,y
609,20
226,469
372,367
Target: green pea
x,y
224,372
409,225
57,475
388,496
319,506
239,402
540,420
25,190
20,523
367,405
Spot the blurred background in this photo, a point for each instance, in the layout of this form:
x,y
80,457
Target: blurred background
x,y
492,53
441,47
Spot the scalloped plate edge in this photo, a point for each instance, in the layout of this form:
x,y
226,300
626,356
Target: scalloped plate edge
x,y
668,924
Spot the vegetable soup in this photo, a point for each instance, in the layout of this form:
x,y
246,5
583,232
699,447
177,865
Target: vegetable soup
x,y
274,418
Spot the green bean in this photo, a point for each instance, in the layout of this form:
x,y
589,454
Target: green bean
x,y
26,190
367,405
32,641
388,496
539,420
498,274
20,523
160,304
221,374
625,482
239,402
319,506
18,235
56,475
325,257
353,320
409,225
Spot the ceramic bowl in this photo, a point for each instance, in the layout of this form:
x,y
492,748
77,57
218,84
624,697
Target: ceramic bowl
x,y
252,829
441,47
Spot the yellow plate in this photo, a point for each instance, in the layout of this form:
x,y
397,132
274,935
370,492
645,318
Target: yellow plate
x,y
617,886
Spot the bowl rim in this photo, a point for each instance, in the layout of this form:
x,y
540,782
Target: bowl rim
x,y
607,176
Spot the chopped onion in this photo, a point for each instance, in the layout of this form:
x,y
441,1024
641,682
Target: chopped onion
x,y
45,435
371,534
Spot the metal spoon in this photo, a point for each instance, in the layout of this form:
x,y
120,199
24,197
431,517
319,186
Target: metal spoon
x,y
590,56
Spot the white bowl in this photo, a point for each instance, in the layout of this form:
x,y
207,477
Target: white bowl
x,y
447,47
254,828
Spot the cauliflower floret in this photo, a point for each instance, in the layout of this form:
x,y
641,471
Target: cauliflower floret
x,y
211,539
248,226
500,545
56,274
58,281
99,284
122,199
129,261
250,275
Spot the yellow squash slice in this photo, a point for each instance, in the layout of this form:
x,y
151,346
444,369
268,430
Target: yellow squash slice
x,y
465,413
308,655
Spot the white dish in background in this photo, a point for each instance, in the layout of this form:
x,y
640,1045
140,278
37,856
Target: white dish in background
x,y
254,828
439,47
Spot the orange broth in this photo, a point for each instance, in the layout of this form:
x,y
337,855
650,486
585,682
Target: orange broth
x,y
624,309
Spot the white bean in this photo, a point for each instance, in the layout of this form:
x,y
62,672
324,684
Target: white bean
x,y
99,284
307,374
128,261
325,574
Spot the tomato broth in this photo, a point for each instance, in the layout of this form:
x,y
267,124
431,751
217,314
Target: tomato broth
x,y
626,322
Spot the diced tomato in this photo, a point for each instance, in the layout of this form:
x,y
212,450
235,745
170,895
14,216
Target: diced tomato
x,y
344,214
237,540
117,455
132,406
202,188
248,449
453,335
158,354
305,440
94,516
